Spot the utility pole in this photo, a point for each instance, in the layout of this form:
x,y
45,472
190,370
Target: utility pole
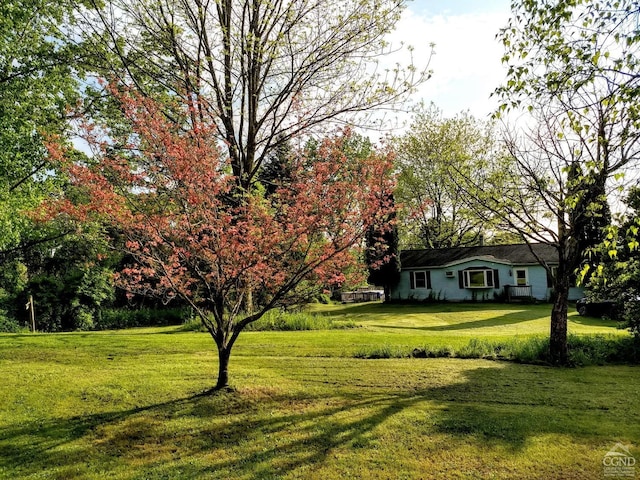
x,y
32,311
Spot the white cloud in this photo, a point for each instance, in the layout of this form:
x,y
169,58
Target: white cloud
x,y
466,66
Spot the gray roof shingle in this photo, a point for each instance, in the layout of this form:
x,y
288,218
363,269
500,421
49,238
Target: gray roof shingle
x,y
515,254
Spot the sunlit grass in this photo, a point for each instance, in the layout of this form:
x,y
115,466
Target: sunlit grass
x,y
130,405
470,319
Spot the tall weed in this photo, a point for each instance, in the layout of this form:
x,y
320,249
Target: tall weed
x,y
584,350
278,320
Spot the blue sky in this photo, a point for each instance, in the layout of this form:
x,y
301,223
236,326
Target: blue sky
x,y
466,66
458,7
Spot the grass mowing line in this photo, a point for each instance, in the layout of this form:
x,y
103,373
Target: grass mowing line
x,y
73,413
335,417
463,318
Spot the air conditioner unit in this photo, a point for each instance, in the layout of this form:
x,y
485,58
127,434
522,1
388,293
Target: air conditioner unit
x,y
449,274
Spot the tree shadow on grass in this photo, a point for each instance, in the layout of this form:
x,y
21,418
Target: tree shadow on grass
x,y
224,421
268,435
504,314
511,318
427,307
592,321
379,308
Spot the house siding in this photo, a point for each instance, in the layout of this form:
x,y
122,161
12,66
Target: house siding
x,y
448,288
538,282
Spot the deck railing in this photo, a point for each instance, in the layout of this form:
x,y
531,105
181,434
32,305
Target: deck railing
x,y
361,296
518,292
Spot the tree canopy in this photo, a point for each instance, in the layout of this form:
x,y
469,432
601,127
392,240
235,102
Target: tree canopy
x,y
262,72
615,275
433,158
195,237
574,66
37,85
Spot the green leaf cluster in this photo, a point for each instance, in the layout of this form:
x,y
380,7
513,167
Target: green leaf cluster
x,y
438,159
38,82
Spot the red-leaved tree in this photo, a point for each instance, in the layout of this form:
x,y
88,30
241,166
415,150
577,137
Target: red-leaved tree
x,y
231,253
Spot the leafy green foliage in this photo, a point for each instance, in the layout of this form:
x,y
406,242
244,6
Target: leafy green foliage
x,y
70,280
555,47
122,318
277,168
37,85
434,158
13,282
574,66
614,271
39,82
70,300
70,285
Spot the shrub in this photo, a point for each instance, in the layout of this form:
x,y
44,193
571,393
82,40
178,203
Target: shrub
x,y
477,348
583,350
384,351
429,352
323,298
278,320
83,319
530,350
600,349
296,321
445,351
193,325
113,319
8,325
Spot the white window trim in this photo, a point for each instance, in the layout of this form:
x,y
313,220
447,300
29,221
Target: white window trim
x,y
486,272
413,280
526,276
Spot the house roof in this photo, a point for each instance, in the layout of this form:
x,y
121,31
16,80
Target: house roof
x,y
520,254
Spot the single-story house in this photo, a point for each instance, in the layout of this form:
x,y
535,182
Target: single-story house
x,y
482,273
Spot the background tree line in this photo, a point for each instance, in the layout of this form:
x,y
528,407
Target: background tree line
x,y
258,88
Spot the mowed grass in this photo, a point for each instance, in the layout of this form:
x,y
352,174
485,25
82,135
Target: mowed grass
x,y
130,404
415,326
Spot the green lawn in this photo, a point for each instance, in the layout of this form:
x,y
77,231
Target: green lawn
x,y
129,404
410,326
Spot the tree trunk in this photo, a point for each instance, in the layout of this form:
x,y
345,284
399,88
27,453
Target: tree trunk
x,y
558,336
223,367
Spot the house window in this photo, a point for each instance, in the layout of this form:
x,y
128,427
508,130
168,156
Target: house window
x,y
521,276
478,278
420,280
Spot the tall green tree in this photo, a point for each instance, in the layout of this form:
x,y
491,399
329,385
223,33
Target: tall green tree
x,y
263,71
575,66
277,168
38,83
616,272
71,281
433,156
